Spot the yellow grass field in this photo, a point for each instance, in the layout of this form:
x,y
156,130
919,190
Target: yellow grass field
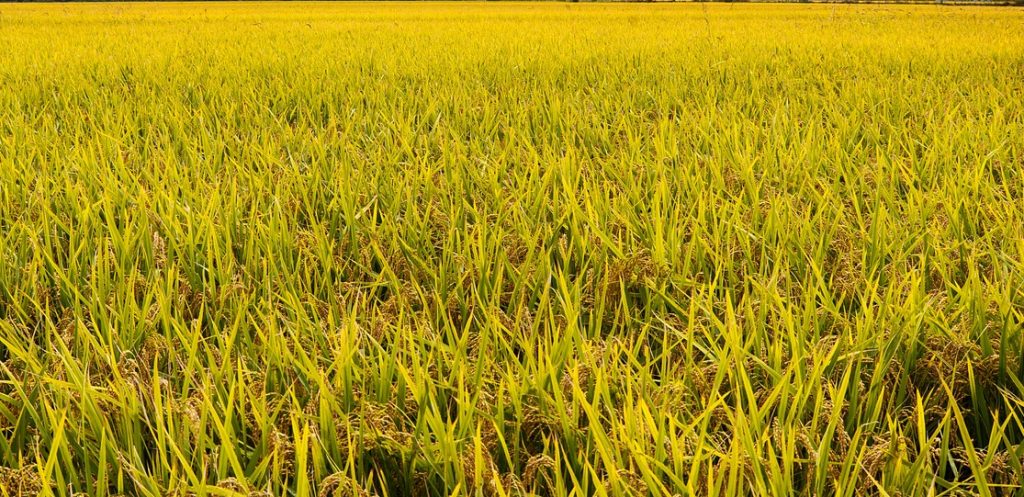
x,y
511,249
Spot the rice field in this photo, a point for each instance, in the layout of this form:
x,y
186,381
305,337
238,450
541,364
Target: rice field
x,y
511,249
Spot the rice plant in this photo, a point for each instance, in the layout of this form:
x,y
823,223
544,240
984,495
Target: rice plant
x,y
351,249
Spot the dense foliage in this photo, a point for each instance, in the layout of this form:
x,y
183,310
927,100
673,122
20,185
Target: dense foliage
x,y
396,249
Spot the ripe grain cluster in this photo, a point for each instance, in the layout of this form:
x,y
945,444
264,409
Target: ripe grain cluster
x,y
510,249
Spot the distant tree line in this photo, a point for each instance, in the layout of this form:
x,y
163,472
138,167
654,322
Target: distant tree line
x,y
951,2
